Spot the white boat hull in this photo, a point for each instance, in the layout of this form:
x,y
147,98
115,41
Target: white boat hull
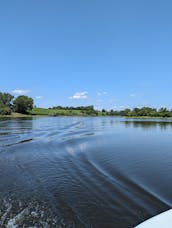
x,y
163,220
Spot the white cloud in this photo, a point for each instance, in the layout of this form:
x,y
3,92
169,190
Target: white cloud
x,y
80,95
132,95
20,91
39,97
101,93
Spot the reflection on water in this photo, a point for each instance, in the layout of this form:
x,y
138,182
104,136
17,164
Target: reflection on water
x,y
84,172
149,124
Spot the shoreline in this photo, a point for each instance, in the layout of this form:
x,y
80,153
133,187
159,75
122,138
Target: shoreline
x,y
19,115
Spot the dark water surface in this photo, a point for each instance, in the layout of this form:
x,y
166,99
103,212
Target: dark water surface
x,y
84,172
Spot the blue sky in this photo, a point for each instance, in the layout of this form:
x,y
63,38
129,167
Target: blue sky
x,y
109,53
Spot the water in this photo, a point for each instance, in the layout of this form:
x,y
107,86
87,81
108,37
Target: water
x,y
84,172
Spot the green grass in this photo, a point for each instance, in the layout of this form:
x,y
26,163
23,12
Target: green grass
x,y
39,111
58,112
63,112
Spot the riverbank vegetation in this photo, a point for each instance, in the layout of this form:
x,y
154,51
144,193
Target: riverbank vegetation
x,y
143,112
23,106
65,111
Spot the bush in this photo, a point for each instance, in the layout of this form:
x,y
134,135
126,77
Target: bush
x,y
23,104
5,110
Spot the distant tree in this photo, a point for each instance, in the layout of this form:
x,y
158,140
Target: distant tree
x,y
89,108
164,112
90,112
6,99
111,113
23,104
125,112
5,103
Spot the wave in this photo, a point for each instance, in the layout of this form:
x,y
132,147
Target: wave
x,y
83,172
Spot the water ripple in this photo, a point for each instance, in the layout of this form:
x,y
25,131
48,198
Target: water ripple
x,y
83,172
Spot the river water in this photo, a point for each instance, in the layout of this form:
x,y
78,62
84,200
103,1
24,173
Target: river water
x,y
84,172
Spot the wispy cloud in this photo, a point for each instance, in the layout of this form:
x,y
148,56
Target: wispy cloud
x,y
20,91
101,93
132,95
39,97
80,95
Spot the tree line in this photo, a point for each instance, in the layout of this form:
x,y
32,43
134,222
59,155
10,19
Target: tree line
x,y
87,110
142,112
90,107
9,104
24,104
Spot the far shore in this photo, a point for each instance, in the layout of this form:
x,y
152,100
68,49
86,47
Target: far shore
x,y
19,115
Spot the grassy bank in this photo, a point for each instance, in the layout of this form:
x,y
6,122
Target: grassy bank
x,y
38,112
16,115
52,112
61,112
146,117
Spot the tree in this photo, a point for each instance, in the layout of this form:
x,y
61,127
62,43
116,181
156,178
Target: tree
x,y
6,99
5,103
23,104
164,112
125,112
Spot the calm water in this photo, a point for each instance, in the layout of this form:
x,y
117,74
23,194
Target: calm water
x,y
84,172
